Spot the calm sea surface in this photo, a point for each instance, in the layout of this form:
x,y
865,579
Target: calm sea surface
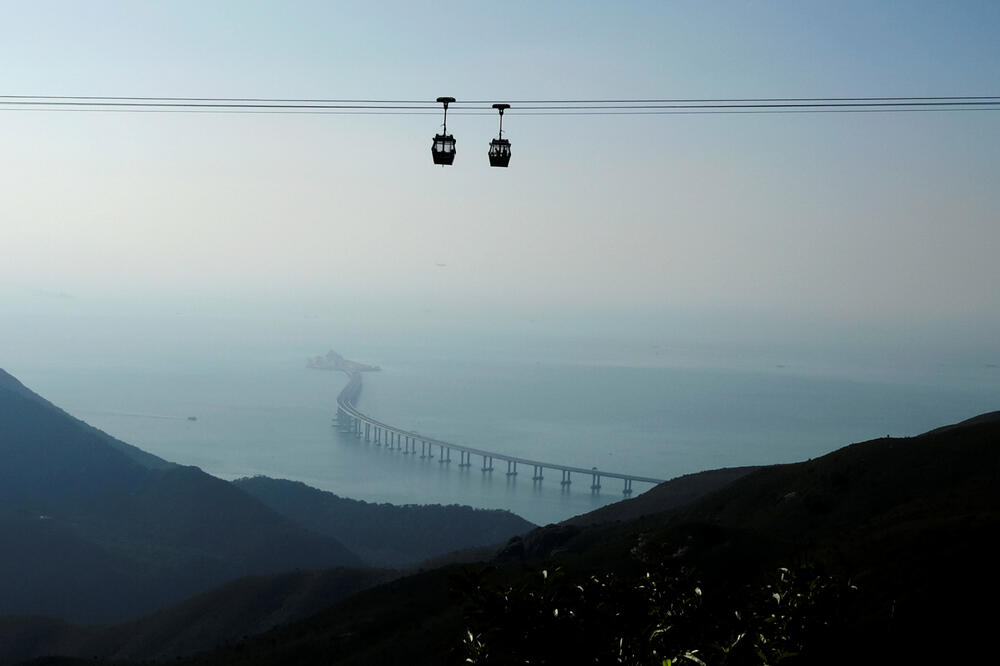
x,y
637,408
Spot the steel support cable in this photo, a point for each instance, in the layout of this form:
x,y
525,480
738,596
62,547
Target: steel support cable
x,y
434,104
551,113
571,107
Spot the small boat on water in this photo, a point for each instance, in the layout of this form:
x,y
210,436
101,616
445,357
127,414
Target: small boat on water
x,y
192,418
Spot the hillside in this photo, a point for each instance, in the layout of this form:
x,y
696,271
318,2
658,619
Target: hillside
x,y
222,616
910,522
12,386
96,531
674,493
384,534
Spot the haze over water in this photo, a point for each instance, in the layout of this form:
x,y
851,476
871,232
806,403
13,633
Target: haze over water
x,y
655,401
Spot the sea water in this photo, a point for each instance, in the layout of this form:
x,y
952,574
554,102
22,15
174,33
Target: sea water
x,y
629,407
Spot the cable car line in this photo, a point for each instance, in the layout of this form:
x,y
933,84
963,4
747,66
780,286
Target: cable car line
x,y
547,107
432,104
443,145
237,104
243,110
206,105
781,105
399,111
746,99
712,112
216,99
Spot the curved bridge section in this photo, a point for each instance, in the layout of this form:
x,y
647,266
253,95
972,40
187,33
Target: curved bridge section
x,y
351,420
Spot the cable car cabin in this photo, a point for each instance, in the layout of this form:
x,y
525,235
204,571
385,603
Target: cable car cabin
x,y
499,152
500,147
443,149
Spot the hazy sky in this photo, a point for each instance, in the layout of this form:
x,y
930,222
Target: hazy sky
x,y
851,217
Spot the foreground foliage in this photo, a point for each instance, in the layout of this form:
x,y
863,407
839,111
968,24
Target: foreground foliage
x,y
660,616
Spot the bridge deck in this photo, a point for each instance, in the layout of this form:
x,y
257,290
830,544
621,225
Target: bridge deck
x,y
349,395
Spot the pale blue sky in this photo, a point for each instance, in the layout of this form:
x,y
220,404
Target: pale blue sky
x,y
841,217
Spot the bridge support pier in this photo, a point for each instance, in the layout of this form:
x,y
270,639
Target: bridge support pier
x,y
349,420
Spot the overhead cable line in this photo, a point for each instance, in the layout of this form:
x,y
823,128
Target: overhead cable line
x,y
552,114
433,103
523,107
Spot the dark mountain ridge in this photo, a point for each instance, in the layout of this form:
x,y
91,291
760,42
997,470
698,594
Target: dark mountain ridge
x,y
219,617
912,521
94,532
231,613
10,385
385,534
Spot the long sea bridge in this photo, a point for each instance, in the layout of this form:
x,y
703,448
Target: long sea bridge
x,y
407,442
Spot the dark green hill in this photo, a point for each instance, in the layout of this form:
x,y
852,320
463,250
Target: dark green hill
x,y
672,494
911,521
51,462
384,534
222,616
12,386
94,530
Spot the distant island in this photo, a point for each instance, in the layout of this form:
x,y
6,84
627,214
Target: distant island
x,y
334,361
